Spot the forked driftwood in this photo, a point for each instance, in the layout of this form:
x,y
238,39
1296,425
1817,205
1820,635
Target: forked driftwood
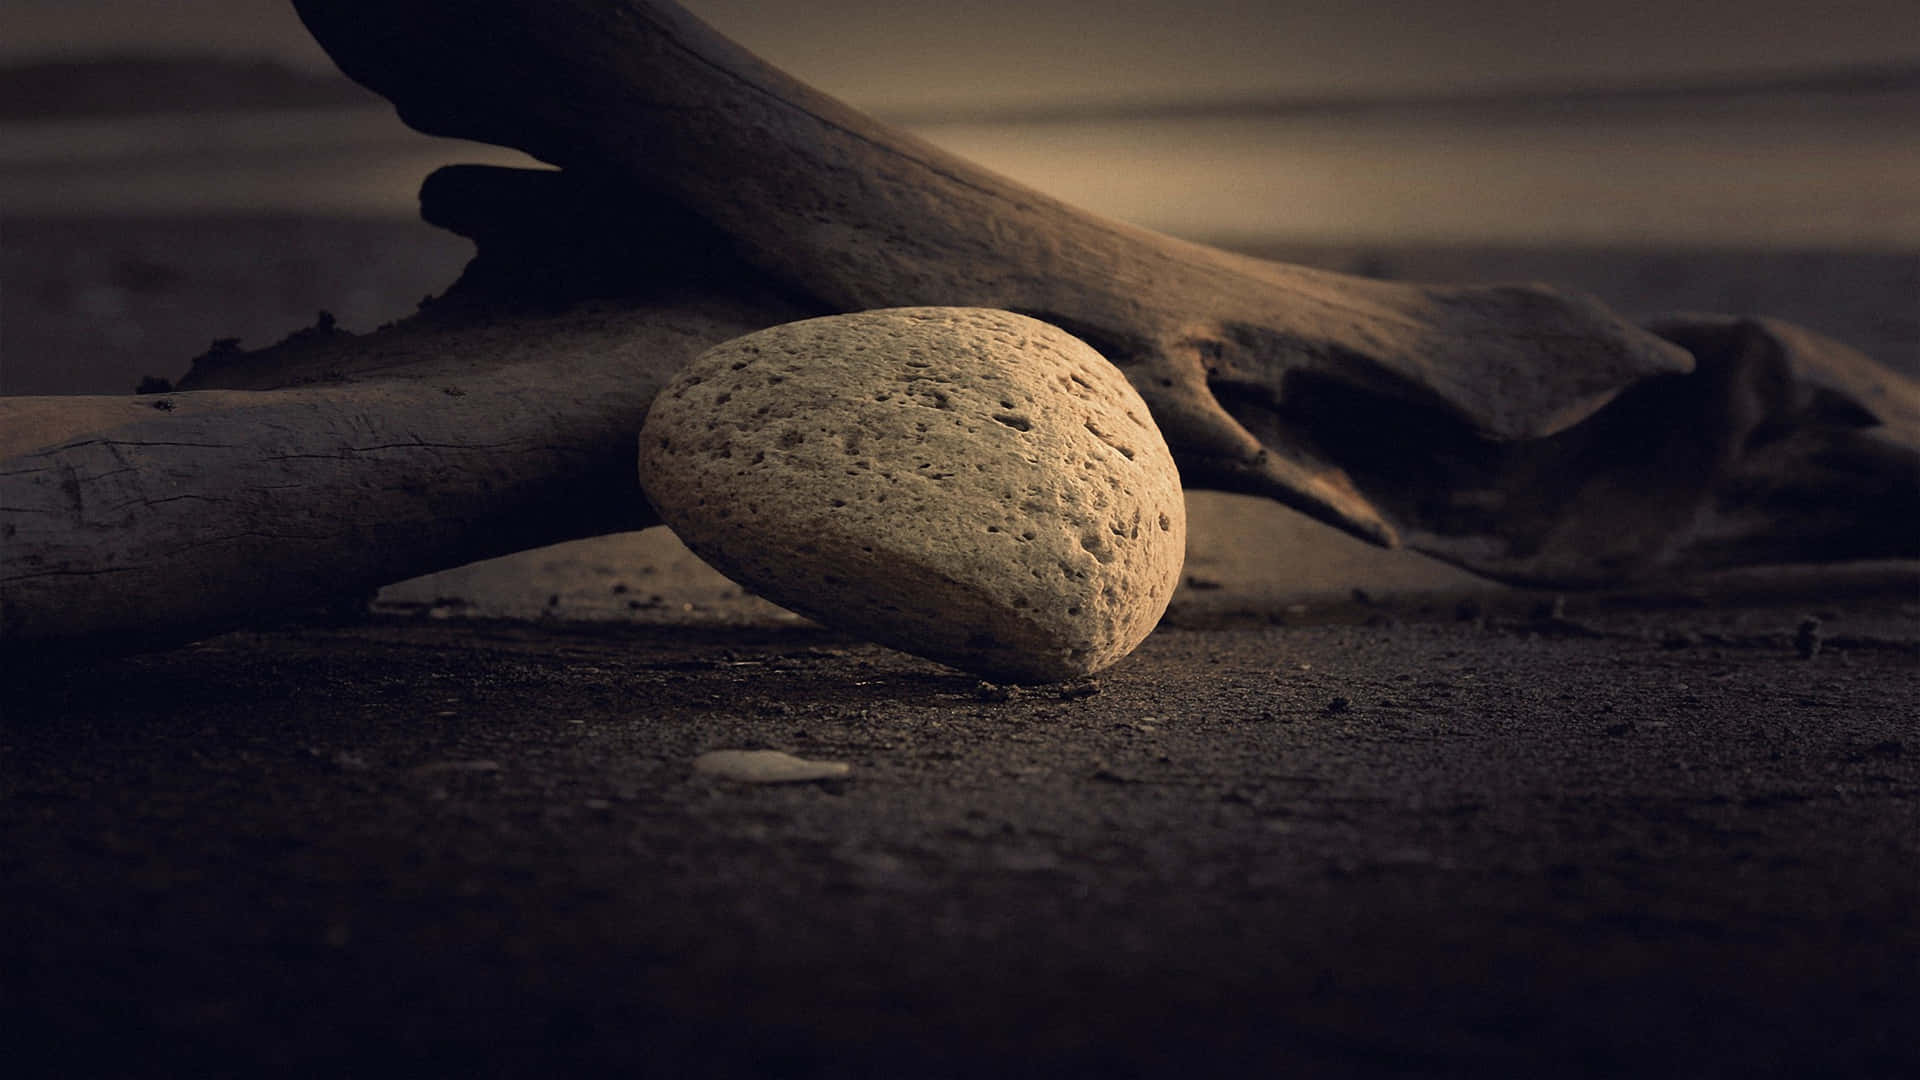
x,y
502,417
1526,434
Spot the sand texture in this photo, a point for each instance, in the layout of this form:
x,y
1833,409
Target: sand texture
x,y
1408,838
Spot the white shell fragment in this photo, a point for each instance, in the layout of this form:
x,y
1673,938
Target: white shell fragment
x,y
967,484
767,767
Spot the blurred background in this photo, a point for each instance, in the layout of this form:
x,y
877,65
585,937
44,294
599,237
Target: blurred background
x,y
1756,124
175,173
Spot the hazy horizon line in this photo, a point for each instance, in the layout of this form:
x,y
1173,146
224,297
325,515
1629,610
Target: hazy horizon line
x,y
1842,80
1852,79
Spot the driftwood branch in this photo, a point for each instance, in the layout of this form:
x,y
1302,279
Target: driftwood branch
x,y
500,418
1526,434
222,502
863,216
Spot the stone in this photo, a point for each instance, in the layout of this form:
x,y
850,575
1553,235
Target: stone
x,y
966,484
767,767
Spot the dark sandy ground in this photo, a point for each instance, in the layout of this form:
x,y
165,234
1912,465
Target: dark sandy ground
x,y
1448,836
1668,833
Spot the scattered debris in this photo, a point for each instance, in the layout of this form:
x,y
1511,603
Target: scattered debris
x,y
994,692
767,767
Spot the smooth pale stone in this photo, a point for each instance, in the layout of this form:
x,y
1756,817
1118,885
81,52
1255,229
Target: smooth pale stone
x,y
967,484
766,767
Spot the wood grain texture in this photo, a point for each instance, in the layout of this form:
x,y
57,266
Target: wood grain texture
x,y
864,216
1524,433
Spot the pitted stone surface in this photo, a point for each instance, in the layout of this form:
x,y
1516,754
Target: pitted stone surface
x,y
971,485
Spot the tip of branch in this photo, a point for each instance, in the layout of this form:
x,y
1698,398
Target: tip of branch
x,y
1316,489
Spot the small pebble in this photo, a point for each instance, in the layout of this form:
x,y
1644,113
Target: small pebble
x,y
767,767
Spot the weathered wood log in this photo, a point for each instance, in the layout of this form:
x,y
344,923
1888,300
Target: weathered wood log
x,y
864,216
219,503
859,215
500,418
1782,447
178,513
1522,433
